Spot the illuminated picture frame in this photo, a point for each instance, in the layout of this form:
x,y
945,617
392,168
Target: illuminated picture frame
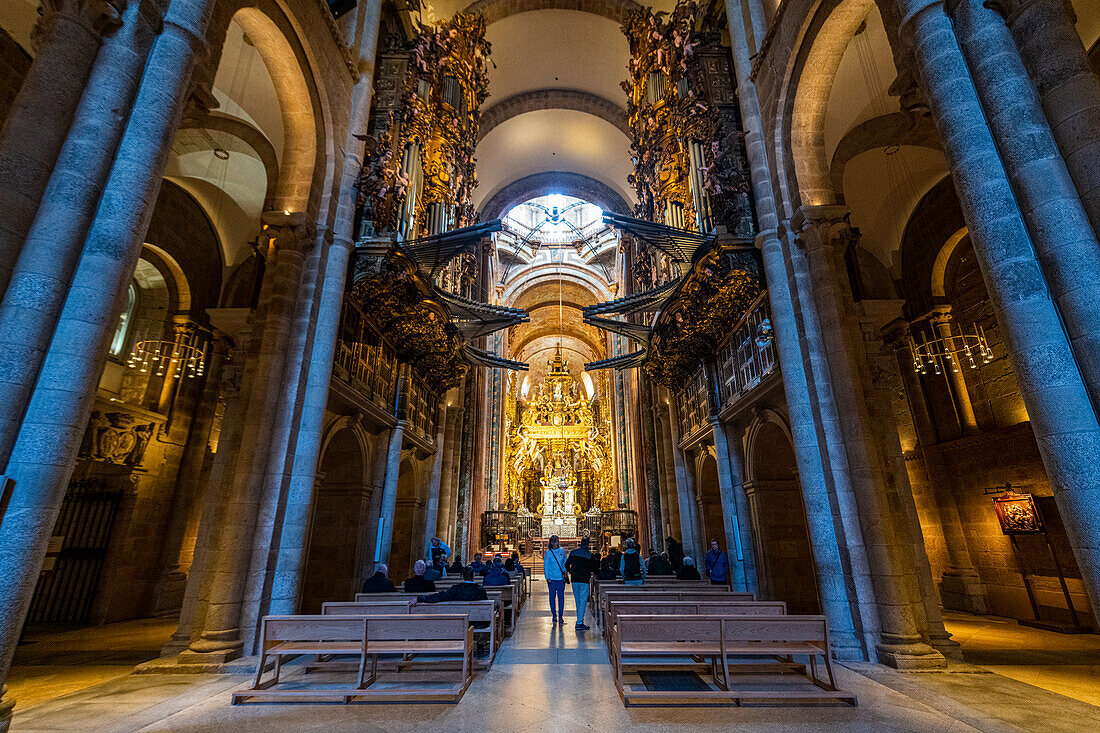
x,y
1018,514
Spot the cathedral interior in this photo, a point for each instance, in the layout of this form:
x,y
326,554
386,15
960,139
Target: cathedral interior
x,y
292,289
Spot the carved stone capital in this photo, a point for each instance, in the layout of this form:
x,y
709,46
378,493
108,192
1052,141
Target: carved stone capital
x,y
98,17
816,227
289,230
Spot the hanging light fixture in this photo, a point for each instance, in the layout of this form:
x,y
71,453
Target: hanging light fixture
x,y
943,354
180,358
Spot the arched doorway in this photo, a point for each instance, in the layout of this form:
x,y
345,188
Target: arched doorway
x,y
711,499
409,504
339,506
786,565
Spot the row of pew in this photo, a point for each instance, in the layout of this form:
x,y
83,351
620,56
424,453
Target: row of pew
x,y
384,632
742,650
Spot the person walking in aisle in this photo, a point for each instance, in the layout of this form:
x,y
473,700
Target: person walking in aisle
x,y
581,565
631,567
553,569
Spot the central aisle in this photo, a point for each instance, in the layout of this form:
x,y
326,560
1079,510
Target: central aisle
x,y
553,678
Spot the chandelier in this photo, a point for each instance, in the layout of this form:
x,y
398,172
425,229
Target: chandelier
x,y
944,354
177,358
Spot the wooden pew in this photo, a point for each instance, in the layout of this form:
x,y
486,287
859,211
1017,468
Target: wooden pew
x,y
659,641
661,594
364,636
660,581
692,607
508,595
479,612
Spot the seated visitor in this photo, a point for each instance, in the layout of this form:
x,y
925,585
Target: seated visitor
x,y
438,552
688,571
519,567
418,583
607,569
467,590
631,567
674,552
379,583
658,565
434,573
496,574
478,566
510,568
456,567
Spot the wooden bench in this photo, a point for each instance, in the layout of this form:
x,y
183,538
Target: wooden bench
x,y
479,612
657,642
660,594
661,582
508,595
703,607
363,636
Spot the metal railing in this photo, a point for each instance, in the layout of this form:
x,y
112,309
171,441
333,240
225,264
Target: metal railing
x,y
364,356
743,359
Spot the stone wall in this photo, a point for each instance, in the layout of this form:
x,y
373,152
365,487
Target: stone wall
x,y
14,62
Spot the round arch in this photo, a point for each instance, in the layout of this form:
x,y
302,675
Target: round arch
x,y
548,182
494,10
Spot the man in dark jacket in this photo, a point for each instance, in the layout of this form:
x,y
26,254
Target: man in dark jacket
x,y
657,565
467,590
497,575
379,583
689,571
418,583
478,566
631,567
435,572
717,564
675,553
580,566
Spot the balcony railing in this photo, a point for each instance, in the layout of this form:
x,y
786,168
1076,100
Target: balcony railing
x,y
364,357
743,360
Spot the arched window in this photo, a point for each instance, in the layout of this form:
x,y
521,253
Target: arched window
x,y
122,330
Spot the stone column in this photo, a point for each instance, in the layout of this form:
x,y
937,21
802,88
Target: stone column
x,y
956,382
431,513
48,257
1046,35
187,499
649,462
960,586
688,519
822,232
66,39
735,510
389,490
45,452
213,505
1065,243
1057,401
669,506
229,562
445,516
818,493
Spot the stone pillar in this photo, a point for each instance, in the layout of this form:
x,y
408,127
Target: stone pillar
x,y
45,452
389,490
735,510
1065,243
1069,89
669,506
960,586
213,505
821,235
47,259
956,382
229,562
1062,415
689,532
654,502
187,499
451,438
431,513
818,494
66,39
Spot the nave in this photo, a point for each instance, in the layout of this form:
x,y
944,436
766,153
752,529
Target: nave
x,y
551,677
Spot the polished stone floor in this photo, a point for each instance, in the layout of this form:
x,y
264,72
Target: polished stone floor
x,y
549,678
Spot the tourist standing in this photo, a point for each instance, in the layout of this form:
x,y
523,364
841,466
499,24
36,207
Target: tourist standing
x,y
717,564
553,569
631,567
675,553
581,565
